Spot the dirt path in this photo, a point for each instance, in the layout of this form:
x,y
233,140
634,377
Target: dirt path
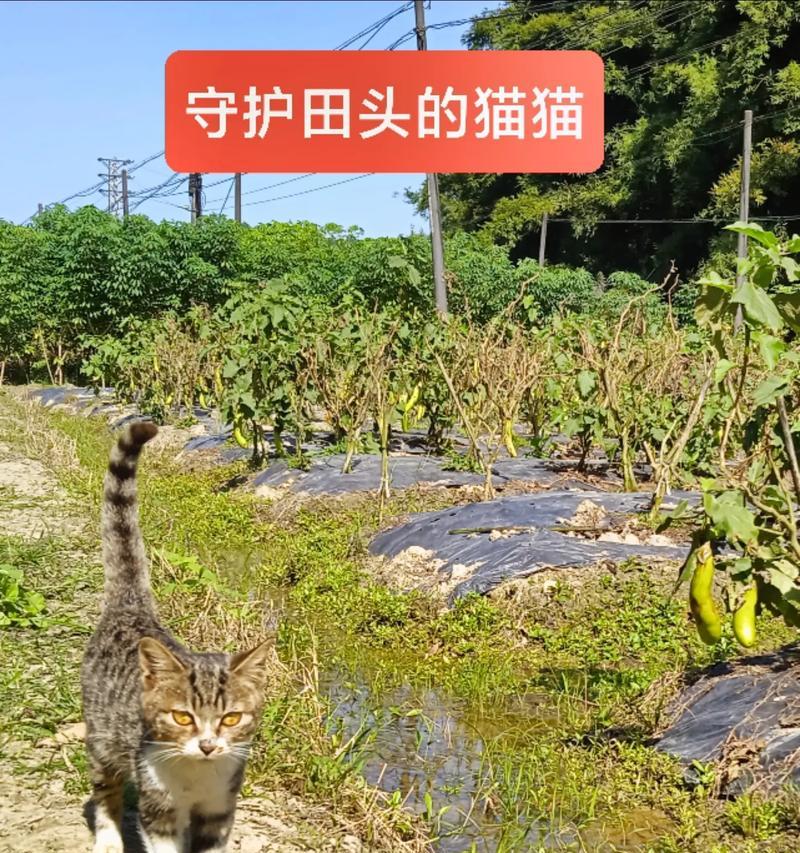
x,y
33,505
38,810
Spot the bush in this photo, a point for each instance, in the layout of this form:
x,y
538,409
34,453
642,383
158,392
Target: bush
x,y
557,288
72,279
482,277
621,287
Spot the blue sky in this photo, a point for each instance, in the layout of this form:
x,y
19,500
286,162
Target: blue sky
x,y
82,80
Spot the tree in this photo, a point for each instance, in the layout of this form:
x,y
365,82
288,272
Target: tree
x,y
679,74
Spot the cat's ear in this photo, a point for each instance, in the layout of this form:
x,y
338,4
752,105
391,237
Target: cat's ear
x,y
157,661
254,664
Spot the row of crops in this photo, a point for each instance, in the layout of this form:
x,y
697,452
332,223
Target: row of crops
x,y
711,404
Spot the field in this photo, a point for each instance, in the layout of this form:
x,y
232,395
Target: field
x,y
523,719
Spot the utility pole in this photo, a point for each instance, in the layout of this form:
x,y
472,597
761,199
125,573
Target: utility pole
x,y
744,201
196,195
437,246
113,176
237,196
124,193
543,240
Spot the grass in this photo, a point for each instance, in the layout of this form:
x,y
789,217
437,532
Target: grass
x,y
597,662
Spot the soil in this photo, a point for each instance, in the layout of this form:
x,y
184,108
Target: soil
x,y
41,816
33,504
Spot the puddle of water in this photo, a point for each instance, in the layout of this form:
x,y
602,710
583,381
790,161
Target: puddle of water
x,y
432,749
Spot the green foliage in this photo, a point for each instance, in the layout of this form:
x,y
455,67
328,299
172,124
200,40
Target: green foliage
x,y
676,80
756,817
555,289
164,364
621,287
258,373
81,288
484,280
20,606
751,502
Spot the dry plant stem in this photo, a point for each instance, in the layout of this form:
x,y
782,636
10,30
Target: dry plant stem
x,y
779,480
383,490
734,413
352,444
60,364
465,420
45,357
667,461
789,443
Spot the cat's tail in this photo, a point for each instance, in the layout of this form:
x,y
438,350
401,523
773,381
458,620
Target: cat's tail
x,y
126,568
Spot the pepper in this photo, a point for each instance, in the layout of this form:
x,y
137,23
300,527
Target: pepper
x,y
701,603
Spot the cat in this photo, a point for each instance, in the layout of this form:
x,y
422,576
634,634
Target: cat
x,y
177,724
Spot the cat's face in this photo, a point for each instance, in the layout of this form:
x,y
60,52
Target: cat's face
x,y
207,709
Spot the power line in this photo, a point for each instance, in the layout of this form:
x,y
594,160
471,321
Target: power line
x,y
173,182
377,24
388,19
146,160
311,190
272,186
687,221
230,188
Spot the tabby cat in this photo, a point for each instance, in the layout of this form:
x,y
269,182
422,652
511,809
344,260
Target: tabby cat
x,y
178,724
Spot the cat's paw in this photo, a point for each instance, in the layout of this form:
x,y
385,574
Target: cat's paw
x,y
108,841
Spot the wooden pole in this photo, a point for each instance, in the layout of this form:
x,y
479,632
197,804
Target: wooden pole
x,y
744,201
437,245
237,196
543,240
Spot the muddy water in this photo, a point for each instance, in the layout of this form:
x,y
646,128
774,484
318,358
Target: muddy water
x,y
436,751
431,750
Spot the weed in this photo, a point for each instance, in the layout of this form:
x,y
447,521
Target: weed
x,y
19,605
755,817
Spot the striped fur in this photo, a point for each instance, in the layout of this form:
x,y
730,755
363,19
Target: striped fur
x,y
135,675
124,557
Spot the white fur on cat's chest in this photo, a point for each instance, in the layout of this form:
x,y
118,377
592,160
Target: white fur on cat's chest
x,y
196,784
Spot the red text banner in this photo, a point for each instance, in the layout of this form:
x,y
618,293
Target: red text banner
x,y
384,111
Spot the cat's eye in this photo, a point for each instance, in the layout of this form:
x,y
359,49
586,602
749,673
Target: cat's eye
x,y
231,719
182,718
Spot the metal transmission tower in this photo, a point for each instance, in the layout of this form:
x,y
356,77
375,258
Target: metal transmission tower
x,y
116,188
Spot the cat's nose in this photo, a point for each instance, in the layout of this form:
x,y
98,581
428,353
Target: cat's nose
x,y
207,746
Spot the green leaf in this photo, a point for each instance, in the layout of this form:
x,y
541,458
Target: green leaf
x,y
230,369
782,575
791,267
712,303
757,305
755,232
771,348
721,369
586,383
769,390
730,517
788,304
741,568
